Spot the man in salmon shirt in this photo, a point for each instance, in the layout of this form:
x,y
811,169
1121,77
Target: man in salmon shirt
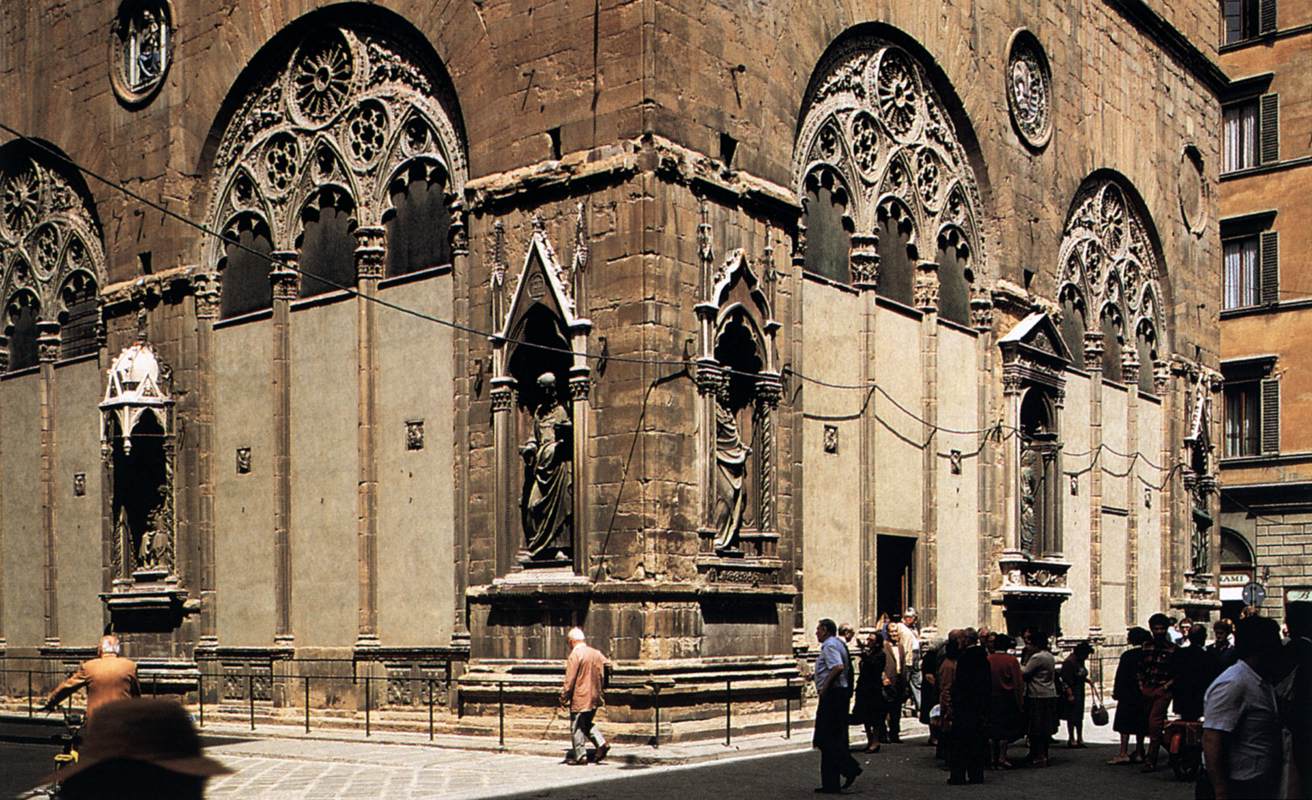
x,y
107,678
585,677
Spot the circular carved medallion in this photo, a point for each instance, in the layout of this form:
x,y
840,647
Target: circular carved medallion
x,y
1193,190
321,78
19,201
140,49
1029,89
898,91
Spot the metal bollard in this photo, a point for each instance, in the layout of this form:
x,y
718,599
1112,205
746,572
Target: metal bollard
x,y
788,708
728,712
307,703
250,696
430,709
367,704
656,706
501,714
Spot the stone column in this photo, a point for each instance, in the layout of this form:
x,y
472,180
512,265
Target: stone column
x,y
990,546
865,277
206,288
1162,385
47,342
796,569
286,281
505,451
1133,492
4,367
926,299
1093,350
369,253
460,340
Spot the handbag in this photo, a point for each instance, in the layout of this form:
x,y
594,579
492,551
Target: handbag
x,y
1099,711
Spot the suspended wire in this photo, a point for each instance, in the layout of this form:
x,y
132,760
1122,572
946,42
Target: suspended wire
x,y
995,430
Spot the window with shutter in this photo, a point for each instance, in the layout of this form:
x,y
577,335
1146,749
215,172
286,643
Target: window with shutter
x,y
1270,416
1270,128
1267,17
1270,267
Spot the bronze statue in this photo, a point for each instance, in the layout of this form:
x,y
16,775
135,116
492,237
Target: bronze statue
x,y
1029,491
731,468
549,480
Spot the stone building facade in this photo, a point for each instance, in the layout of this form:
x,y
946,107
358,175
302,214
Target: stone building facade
x,y
687,324
1266,49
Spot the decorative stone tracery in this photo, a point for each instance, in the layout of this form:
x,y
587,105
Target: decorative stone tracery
x,y
880,135
1029,89
351,111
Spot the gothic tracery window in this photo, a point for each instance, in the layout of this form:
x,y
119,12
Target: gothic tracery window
x,y
874,118
52,261
351,128
1110,260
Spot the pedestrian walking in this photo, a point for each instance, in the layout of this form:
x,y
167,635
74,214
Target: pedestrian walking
x,y
868,707
107,677
1195,668
1075,679
834,688
930,652
138,748
583,693
895,684
966,709
910,636
1223,645
1242,737
1156,678
1040,698
1131,709
1006,700
1298,617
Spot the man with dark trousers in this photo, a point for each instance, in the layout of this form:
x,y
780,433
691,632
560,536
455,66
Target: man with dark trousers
x,y
833,685
967,707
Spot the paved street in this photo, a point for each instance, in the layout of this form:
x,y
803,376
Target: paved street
x,y
309,769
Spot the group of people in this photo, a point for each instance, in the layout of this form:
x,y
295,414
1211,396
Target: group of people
x,y
1251,690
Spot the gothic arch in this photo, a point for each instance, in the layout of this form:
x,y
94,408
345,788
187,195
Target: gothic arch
x,y
875,114
49,233
1111,254
345,100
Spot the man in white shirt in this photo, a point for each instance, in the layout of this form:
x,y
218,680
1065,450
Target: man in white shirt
x,y
1242,739
833,685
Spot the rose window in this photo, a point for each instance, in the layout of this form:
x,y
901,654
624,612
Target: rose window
x,y
19,200
366,131
322,80
897,91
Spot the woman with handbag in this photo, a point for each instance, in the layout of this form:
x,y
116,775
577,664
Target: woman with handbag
x,y
1075,676
869,708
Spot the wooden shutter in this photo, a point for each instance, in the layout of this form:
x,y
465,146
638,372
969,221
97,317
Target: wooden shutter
x,y
1270,416
1266,22
1269,125
1269,278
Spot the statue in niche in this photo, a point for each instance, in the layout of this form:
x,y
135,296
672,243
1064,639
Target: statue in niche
x,y
730,473
1200,555
155,539
548,502
1030,467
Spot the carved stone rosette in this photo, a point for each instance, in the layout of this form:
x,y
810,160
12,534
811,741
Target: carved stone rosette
x,y
1029,89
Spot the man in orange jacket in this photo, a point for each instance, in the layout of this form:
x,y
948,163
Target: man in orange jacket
x,y
107,678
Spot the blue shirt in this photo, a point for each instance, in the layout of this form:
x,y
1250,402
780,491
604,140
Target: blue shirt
x,y
833,654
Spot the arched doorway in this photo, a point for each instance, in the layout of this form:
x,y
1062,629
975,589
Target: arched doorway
x,y
1237,569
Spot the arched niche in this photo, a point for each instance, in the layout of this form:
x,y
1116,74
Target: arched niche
x,y
881,122
540,401
740,388
52,257
345,119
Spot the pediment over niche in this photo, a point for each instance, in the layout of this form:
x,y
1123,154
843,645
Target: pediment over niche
x,y
542,281
1038,338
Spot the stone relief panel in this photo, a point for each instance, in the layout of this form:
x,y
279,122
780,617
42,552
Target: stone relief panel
x,y
1029,89
1194,190
141,48
351,111
877,123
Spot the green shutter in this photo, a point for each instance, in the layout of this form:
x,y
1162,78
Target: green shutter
x,y
1269,126
1270,416
1267,17
1269,286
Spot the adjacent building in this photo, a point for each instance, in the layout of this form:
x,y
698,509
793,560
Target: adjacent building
x,y
1266,316
402,333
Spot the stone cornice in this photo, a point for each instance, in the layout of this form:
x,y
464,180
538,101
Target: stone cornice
x,y
1174,43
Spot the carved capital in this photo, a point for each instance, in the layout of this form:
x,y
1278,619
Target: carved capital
x,y
47,341
206,287
370,250
1093,349
4,353
503,398
580,387
981,310
865,261
709,376
799,246
770,389
1011,383
1161,377
286,280
1130,369
926,288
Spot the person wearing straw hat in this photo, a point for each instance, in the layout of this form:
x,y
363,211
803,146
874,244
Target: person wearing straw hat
x,y
138,748
107,678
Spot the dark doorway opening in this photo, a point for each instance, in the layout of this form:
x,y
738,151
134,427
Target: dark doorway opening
x,y
895,556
